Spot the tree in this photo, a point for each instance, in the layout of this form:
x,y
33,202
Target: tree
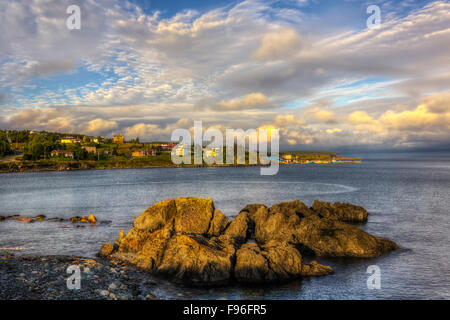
x,y
41,144
5,147
78,152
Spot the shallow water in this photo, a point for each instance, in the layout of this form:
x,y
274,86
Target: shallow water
x,y
408,202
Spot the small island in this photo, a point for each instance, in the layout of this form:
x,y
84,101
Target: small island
x,y
189,241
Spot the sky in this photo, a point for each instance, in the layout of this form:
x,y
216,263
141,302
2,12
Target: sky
x,y
311,68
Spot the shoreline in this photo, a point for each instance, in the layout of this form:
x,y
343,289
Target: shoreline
x,y
82,166
46,278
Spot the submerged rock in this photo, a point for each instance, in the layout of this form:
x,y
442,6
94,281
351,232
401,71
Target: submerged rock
x,y
189,241
75,219
92,219
316,269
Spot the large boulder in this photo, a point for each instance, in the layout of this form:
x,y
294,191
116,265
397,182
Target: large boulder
x,y
292,223
156,216
337,239
197,261
251,265
274,261
189,241
194,215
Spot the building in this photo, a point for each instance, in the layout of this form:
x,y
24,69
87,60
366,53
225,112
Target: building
x,y
163,146
144,153
287,158
70,140
61,154
118,138
211,153
90,149
181,149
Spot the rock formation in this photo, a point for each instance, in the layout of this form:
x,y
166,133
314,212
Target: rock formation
x,y
189,241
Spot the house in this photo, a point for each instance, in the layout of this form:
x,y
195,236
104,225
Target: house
x,y
144,153
61,154
181,149
211,153
118,138
70,140
163,146
90,149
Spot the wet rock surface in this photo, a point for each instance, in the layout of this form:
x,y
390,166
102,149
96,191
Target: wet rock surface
x,y
189,241
77,221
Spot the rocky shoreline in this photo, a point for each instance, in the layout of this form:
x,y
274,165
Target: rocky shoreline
x,y
45,278
189,241
13,167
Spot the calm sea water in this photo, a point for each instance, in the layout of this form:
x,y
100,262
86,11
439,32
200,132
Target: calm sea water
x,y
408,201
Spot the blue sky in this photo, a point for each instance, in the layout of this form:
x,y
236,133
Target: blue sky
x,y
311,68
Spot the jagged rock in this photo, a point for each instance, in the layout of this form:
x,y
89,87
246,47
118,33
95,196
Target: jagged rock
x,y
237,229
251,265
106,250
75,219
316,269
189,241
322,236
153,249
196,260
156,216
291,208
345,212
40,217
272,262
218,223
284,260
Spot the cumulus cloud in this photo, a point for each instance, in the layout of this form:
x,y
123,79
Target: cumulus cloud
x,y
288,120
278,44
251,100
359,117
241,65
98,126
153,132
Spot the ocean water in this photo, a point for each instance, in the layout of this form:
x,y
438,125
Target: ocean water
x,y
408,201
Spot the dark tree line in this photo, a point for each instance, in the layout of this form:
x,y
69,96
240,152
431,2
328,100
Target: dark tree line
x,y
5,147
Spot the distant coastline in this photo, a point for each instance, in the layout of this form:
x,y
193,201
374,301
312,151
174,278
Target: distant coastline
x,y
29,151
42,166
38,166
